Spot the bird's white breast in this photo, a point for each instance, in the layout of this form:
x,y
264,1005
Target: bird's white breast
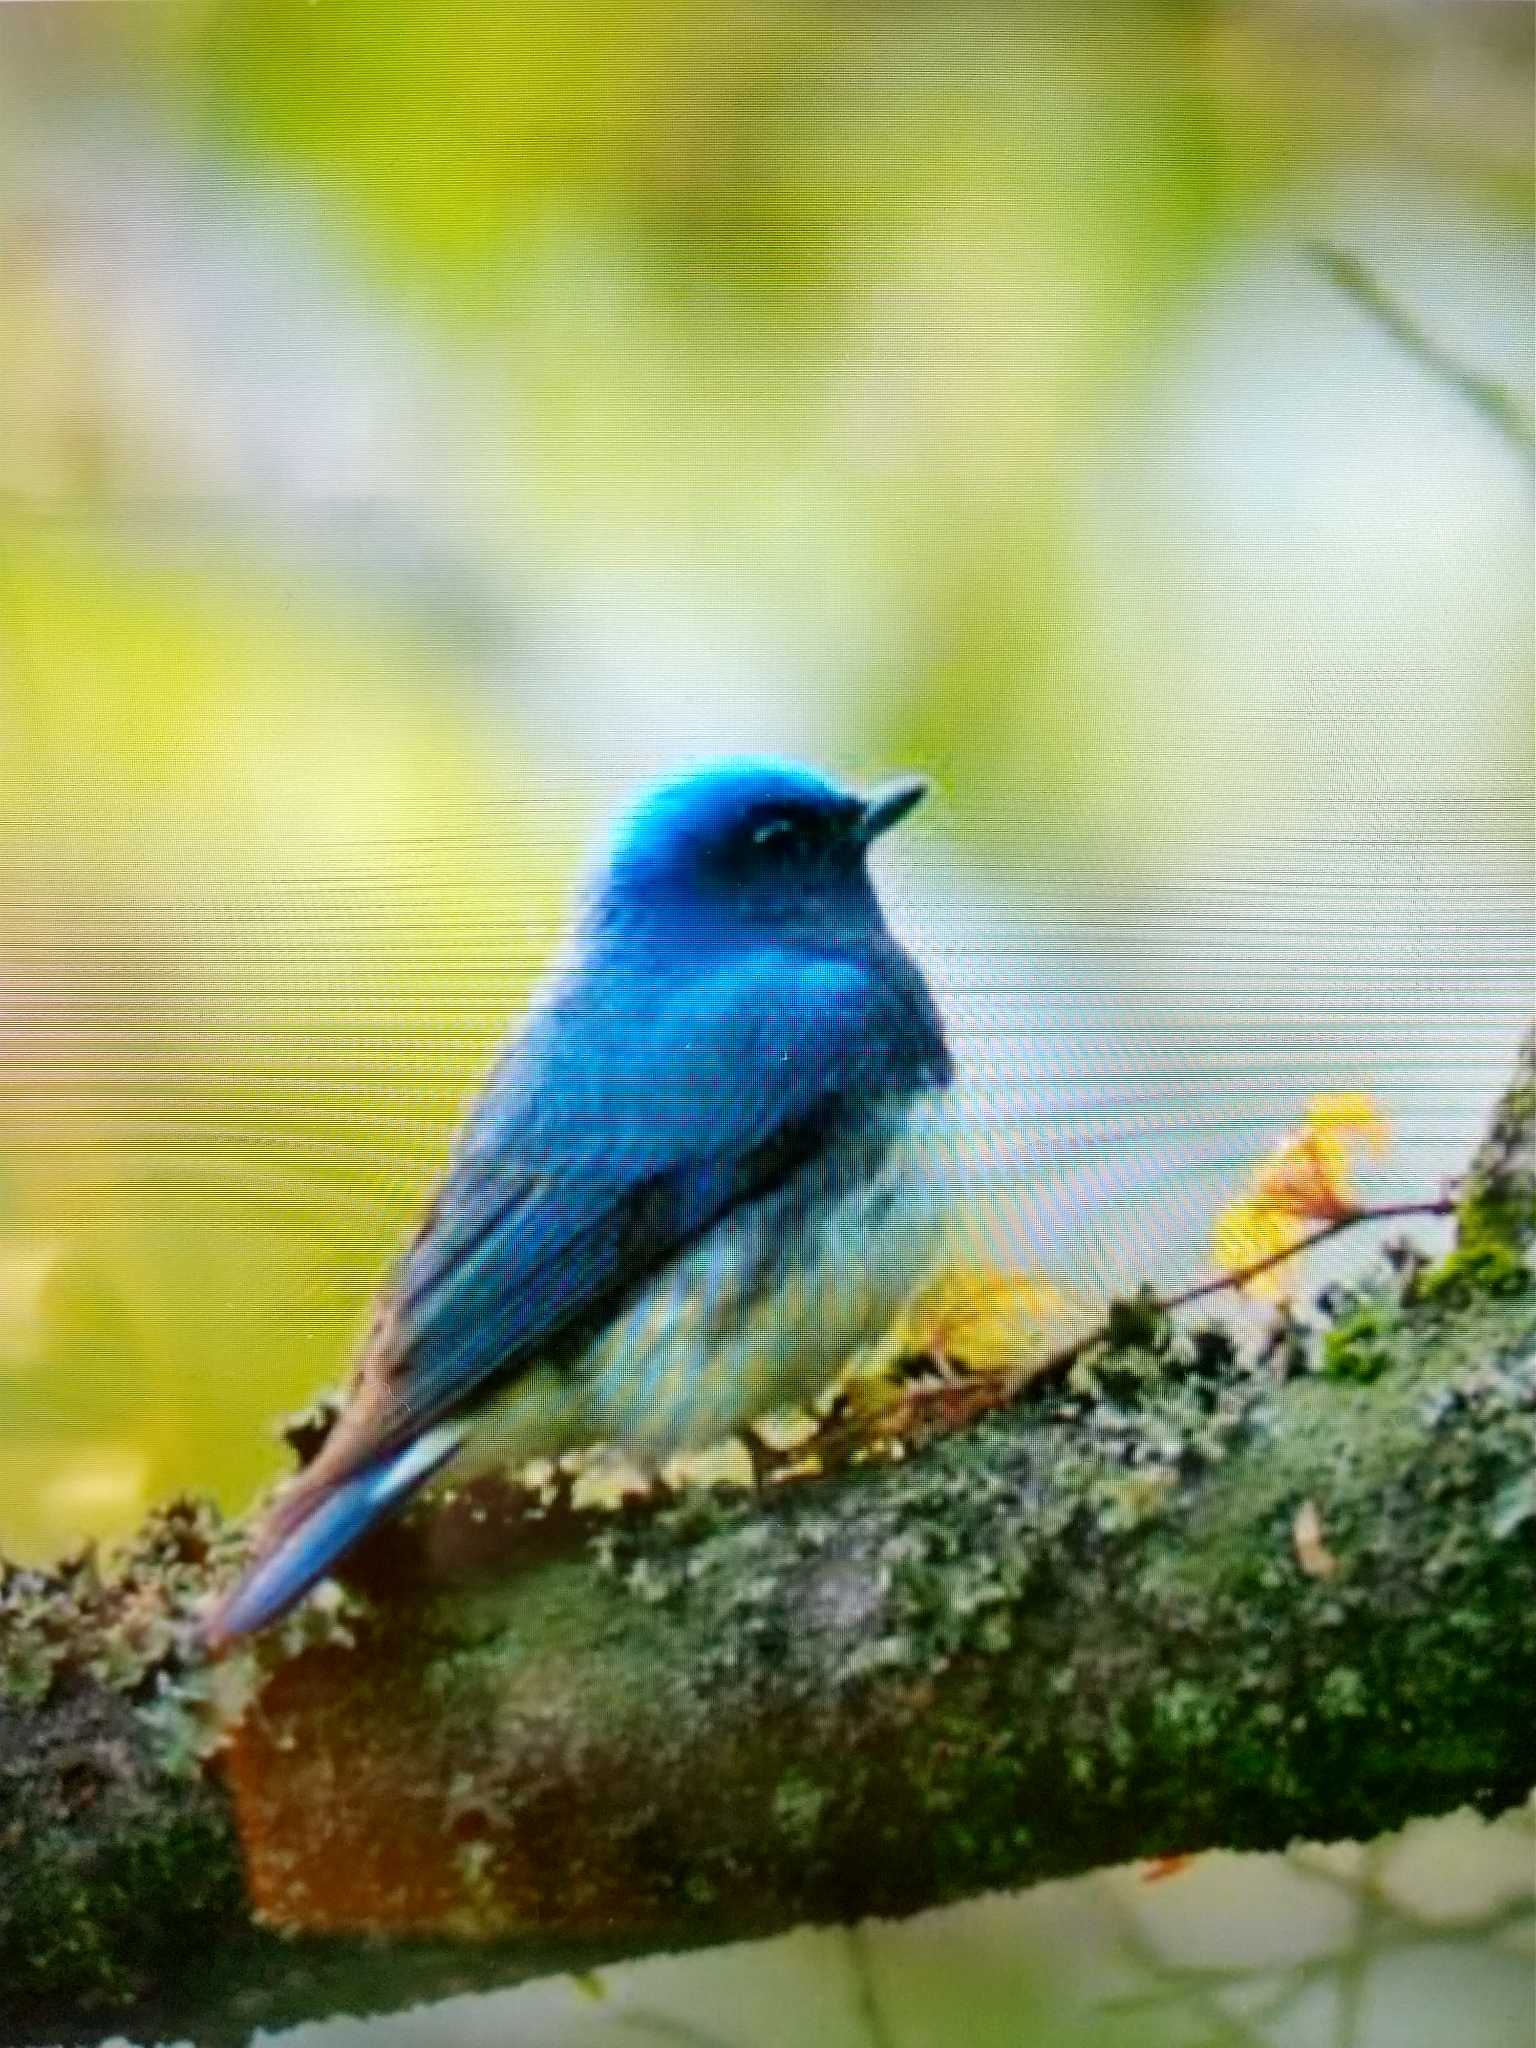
x,y
761,1313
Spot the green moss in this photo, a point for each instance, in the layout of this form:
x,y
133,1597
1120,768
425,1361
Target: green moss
x,y
1484,1265
98,1843
125,1623
1343,1694
1498,1204
797,1807
1137,1324
1363,1346
105,1809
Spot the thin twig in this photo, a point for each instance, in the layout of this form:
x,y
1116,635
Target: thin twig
x,y
1224,1283
1386,1213
1495,402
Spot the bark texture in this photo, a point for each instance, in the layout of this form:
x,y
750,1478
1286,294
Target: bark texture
x,y
1192,1598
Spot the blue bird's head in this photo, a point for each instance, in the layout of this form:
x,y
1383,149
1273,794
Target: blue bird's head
x,y
760,843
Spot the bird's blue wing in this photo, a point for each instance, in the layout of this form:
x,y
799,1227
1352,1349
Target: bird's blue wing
x,y
608,1143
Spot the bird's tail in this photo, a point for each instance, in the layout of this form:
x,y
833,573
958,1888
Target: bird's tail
x,y
317,1531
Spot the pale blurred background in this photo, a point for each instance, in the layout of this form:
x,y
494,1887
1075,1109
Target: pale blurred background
x,y
421,423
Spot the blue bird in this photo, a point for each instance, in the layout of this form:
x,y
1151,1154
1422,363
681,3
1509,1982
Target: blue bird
x,y
692,1185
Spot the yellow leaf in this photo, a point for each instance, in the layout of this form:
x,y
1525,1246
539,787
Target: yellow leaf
x,y
871,1398
969,1324
723,1464
1308,1178
981,1319
1308,1174
1249,1232
1355,1113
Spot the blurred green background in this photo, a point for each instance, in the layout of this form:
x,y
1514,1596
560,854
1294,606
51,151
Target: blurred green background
x,y
419,424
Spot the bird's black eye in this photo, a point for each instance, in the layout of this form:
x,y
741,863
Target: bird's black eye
x,y
774,832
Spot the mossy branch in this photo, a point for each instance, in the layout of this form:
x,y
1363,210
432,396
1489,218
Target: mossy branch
x,y
1189,1598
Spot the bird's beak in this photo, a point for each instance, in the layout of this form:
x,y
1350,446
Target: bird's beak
x,y
889,804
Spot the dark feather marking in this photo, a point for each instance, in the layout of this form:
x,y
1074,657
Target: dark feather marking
x,y
655,1226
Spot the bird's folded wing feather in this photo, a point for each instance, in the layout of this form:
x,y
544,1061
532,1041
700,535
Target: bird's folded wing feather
x,y
595,1155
